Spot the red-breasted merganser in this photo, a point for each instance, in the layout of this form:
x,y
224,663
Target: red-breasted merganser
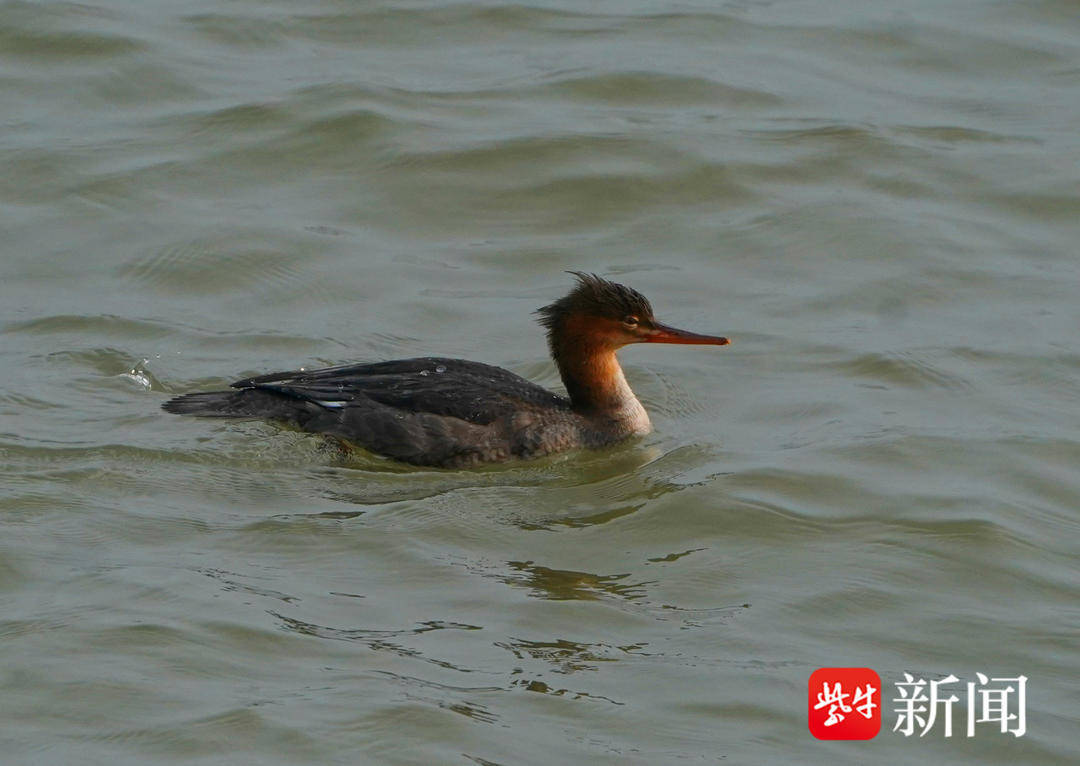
x,y
452,413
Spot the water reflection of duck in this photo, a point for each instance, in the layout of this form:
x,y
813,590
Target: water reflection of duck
x,y
454,413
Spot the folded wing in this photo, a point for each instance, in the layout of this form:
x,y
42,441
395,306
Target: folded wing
x,y
476,393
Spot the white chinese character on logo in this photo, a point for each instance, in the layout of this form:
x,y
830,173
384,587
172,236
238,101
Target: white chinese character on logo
x,y
835,701
995,705
866,709
912,709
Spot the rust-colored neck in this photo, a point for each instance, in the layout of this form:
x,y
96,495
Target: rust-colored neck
x,y
592,375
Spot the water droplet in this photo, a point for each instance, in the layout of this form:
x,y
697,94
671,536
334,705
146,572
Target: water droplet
x,y
425,372
441,368
138,374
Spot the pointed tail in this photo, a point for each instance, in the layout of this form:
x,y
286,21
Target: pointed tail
x,y
216,404
245,403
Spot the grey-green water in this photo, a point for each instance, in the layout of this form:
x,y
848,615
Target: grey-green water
x,y
878,202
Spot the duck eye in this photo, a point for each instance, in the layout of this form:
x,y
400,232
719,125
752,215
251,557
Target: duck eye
x,y
630,320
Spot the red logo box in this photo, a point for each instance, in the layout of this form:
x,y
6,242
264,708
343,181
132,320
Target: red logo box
x,y
844,703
